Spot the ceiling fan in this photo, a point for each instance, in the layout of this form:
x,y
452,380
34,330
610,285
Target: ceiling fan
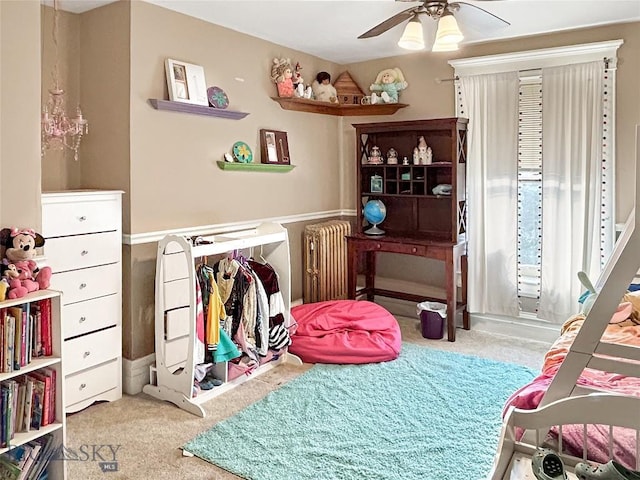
x,y
444,13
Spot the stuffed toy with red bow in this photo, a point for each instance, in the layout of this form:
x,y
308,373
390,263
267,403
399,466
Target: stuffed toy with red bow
x,y
19,247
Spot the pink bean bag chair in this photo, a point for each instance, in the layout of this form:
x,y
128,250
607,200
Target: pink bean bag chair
x,y
345,331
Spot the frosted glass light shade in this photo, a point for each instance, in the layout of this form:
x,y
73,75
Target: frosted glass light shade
x,y
444,47
448,31
412,37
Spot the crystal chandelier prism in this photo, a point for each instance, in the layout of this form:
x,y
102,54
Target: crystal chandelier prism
x,y
57,130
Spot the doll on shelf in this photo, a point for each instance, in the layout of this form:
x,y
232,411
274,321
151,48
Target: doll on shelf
x,y
389,83
323,91
282,75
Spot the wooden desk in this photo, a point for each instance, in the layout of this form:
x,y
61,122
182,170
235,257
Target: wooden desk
x,y
445,251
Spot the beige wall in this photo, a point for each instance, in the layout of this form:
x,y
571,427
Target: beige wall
x,y
20,113
165,161
59,169
428,99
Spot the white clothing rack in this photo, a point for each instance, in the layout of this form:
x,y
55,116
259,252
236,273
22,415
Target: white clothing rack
x,y
172,377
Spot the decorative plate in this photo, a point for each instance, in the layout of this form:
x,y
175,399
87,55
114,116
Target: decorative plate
x,y
242,152
217,97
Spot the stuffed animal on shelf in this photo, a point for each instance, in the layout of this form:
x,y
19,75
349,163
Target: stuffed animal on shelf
x,y
20,250
20,276
4,288
389,83
323,91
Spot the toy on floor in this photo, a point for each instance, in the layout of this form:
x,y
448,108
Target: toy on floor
x,y
19,267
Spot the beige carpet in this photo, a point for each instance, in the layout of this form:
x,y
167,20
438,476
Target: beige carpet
x,y
151,432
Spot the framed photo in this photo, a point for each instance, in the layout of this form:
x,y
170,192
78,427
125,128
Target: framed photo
x,y
186,82
274,147
376,184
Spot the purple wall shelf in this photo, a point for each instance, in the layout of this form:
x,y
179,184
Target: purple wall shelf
x,y
195,109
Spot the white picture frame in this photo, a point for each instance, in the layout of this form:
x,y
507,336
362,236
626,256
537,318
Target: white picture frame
x,y
186,82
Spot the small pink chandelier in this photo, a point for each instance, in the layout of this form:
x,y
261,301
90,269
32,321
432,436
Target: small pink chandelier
x,y
59,131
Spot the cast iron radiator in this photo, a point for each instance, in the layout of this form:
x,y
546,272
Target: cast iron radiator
x,y
325,252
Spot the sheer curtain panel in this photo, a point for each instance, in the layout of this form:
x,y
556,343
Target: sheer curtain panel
x,y
571,182
491,104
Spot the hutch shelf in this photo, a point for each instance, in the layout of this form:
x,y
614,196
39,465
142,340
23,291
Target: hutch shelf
x,y
159,104
419,221
342,110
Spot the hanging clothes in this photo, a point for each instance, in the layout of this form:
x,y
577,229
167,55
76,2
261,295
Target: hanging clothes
x,y
269,279
199,348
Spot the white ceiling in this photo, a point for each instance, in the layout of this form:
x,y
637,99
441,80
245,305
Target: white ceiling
x,y
329,29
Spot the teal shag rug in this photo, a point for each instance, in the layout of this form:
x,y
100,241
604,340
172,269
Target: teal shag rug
x,y
429,415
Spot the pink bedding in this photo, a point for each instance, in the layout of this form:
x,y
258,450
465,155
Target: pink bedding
x,y
345,331
529,396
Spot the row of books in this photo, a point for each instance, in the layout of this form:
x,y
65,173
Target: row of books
x,y
28,461
25,333
27,403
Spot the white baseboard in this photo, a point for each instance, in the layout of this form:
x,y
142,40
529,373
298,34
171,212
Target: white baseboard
x,y
135,373
515,327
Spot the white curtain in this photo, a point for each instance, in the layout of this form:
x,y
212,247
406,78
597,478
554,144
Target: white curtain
x,y
491,104
572,152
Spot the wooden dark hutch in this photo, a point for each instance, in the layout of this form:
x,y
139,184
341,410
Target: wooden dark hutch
x,y
418,221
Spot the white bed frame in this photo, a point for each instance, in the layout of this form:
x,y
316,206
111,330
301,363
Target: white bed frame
x,y
514,458
565,402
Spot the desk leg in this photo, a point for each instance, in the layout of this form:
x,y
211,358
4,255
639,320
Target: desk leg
x,y
466,324
352,270
370,274
450,282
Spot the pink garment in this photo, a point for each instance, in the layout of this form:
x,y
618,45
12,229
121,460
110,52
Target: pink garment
x,y
345,331
199,351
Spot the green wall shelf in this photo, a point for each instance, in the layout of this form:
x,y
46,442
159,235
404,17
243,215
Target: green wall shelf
x,y
255,167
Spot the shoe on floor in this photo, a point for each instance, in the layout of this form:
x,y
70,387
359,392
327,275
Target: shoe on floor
x,y
611,470
547,465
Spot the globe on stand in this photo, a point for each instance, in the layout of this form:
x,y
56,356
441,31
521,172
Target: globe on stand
x,y
374,212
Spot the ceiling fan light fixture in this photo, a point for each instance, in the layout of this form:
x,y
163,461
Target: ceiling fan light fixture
x,y
444,47
412,37
448,32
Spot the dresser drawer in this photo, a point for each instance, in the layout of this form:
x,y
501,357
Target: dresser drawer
x,y
92,349
81,251
84,317
74,217
79,285
89,383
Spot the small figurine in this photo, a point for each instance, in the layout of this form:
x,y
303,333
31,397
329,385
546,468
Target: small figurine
x,y
322,88
392,157
405,161
416,156
389,82
376,156
424,153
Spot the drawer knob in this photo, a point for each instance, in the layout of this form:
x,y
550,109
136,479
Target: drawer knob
x,y
86,354
414,249
83,386
83,319
84,252
83,285
82,218
378,245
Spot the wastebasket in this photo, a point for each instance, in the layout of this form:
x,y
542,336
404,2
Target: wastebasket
x,y
432,319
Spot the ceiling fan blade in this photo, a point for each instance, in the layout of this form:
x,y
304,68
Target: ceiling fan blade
x,y
477,18
389,23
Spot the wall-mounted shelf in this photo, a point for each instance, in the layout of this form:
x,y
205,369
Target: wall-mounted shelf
x,y
195,109
255,167
326,108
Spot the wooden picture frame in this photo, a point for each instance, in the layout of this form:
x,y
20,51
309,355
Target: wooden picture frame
x,y
186,82
274,147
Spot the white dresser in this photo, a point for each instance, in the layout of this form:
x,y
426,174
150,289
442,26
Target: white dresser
x,y
83,247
